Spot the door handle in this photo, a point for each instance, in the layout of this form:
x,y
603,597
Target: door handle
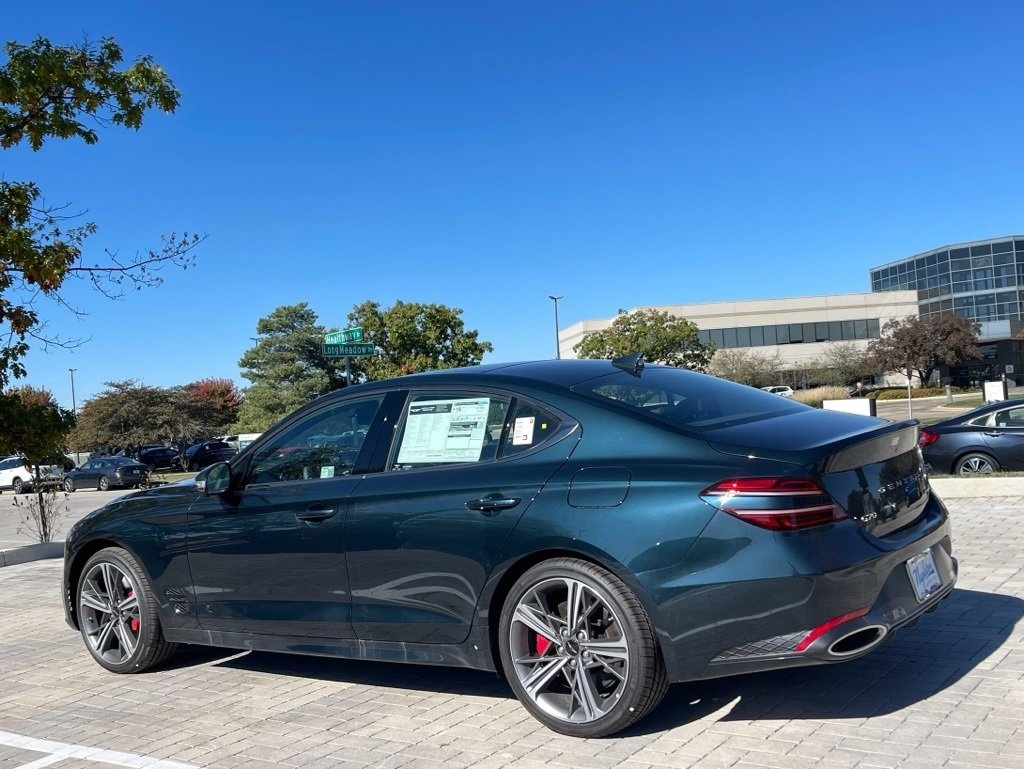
x,y
492,504
993,433
315,514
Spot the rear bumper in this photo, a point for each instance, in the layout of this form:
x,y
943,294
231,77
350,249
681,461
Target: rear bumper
x,y
822,596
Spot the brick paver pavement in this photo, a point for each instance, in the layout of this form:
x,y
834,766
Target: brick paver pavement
x,y
948,693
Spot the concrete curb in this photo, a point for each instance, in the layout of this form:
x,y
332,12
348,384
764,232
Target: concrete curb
x,y
28,553
993,486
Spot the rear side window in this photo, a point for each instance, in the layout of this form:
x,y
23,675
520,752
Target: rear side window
x,y
687,399
530,426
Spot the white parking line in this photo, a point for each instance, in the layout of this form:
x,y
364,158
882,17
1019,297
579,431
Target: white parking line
x,y
58,751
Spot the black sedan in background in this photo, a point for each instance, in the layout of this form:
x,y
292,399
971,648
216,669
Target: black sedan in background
x,y
106,473
985,440
593,529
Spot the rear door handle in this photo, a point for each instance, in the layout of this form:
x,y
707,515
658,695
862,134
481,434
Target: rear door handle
x,y
993,433
493,504
315,514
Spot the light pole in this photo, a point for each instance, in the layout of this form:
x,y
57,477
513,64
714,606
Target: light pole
x,y
558,351
74,405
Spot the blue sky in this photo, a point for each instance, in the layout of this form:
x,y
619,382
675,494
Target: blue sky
x,y
486,155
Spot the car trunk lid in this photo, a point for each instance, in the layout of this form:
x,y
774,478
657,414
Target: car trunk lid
x,y
871,468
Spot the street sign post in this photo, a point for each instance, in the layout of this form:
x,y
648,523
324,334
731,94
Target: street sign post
x,y
343,337
346,350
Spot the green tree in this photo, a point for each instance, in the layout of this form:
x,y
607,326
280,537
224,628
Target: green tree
x,y
757,369
912,344
842,363
286,367
661,337
63,92
36,428
126,414
413,337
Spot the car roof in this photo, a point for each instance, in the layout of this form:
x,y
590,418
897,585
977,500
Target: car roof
x,y
987,408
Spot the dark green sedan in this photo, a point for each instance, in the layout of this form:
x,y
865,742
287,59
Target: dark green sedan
x,y
594,530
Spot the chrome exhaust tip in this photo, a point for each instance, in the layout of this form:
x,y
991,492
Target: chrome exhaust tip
x,y
859,641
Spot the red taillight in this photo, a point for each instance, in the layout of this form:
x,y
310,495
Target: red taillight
x,y
927,437
778,504
826,626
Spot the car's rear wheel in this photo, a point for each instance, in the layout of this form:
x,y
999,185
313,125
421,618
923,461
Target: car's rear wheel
x,y
69,485
18,485
578,649
117,614
976,463
104,483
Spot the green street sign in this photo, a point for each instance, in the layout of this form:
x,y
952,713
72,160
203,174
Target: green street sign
x,y
343,337
346,350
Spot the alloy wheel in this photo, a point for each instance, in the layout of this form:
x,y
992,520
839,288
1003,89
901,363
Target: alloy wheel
x,y
569,650
109,610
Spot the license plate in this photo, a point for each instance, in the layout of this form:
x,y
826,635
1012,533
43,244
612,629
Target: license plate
x,y
924,576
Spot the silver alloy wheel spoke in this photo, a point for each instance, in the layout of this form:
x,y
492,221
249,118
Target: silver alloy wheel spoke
x,y
583,641
584,694
546,668
537,620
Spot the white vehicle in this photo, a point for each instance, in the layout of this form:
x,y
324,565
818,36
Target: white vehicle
x,y
784,390
18,476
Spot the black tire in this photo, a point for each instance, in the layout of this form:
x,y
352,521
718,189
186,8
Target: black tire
x,y
104,483
18,485
976,463
69,485
123,635
621,688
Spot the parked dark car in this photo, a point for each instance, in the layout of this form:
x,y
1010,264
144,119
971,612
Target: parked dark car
x,y
595,530
159,457
205,454
981,441
105,473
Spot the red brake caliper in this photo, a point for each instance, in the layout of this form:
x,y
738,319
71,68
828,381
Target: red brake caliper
x,y
133,623
542,645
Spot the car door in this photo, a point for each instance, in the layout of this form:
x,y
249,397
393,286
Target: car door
x,y
1004,435
423,534
269,556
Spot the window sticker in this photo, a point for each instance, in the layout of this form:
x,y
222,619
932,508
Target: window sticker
x,y
327,471
522,431
444,431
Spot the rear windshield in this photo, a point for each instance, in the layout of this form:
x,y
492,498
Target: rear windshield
x,y
687,399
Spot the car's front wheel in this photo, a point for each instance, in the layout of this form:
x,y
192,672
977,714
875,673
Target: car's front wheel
x,y
975,463
117,614
578,649
69,485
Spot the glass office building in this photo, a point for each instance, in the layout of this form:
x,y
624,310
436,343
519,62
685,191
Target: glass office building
x,y
983,281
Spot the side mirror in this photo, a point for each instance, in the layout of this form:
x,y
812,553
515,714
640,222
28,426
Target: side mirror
x,y
215,479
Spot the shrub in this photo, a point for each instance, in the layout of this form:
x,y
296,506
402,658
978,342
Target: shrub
x,y
816,395
897,393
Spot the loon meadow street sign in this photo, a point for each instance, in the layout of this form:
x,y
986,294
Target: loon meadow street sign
x,y
346,350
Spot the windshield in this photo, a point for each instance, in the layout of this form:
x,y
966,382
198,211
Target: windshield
x,y
687,399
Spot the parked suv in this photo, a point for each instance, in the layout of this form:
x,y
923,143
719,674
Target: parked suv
x,y
204,454
18,476
159,457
